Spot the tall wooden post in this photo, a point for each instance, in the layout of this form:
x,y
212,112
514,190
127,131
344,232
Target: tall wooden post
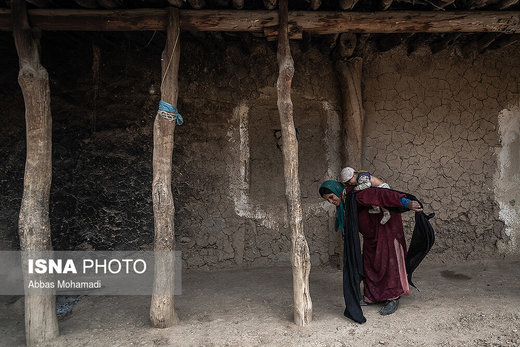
x,y
300,258
162,312
41,323
353,111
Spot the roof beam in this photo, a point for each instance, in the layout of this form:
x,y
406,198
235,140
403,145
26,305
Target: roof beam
x,y
318,22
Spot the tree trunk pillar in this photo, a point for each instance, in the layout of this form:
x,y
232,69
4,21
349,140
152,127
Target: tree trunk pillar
x,y
162,312
300,258
34,228
353,112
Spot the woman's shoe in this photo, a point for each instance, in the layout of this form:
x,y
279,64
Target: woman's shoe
x,y
389,307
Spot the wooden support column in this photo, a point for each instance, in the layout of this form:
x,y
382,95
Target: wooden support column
x,y
300,258
41,323
162,313
353,112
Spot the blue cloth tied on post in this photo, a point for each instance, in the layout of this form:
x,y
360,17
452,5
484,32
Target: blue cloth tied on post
x,y
169,112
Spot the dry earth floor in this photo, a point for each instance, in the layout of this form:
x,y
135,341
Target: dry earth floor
x,y
472,304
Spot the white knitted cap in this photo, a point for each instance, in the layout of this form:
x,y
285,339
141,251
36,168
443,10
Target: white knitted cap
x,y
346,174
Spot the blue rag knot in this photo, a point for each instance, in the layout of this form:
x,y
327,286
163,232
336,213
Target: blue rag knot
x,y
166,107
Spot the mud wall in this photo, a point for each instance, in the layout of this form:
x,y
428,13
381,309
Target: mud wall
x,y
431,130
227,175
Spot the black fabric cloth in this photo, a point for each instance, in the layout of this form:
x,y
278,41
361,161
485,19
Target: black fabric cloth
x,y
352,262
422,241
423,238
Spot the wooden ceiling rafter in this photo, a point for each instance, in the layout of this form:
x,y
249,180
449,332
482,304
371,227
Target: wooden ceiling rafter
x,y
176,3
197,4
505,4
316,22
433,4
385,4
270,4
238,4
90,4
315,4
347,5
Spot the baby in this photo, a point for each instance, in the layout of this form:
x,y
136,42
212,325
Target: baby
x,y
363,180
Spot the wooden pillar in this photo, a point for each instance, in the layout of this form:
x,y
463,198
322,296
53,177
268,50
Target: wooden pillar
x,y
300,258
41,323
162,313
353,112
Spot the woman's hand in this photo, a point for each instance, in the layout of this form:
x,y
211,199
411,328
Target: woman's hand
x,y
414,206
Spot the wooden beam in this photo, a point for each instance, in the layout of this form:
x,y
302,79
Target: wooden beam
x,y
300,258
347,5
34,227
349,74
506,4
197,4
433,4
270,4
406,22
315,4
271,34
176,3
162,313
385,4
474,4
238,4
318,22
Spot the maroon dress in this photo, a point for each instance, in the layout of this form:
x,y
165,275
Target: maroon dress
x,y
384,246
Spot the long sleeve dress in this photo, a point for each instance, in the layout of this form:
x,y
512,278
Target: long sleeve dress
x,y
384,246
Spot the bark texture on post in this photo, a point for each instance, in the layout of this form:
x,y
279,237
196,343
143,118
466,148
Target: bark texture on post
x,y
300,258
41,323
162,312
353,111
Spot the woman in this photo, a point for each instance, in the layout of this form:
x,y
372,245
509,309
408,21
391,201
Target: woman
x,y
383,266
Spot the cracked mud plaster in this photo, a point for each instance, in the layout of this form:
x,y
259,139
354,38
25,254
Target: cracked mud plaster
x,y
432,130
231,158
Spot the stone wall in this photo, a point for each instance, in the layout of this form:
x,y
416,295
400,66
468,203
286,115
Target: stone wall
x,y
431,130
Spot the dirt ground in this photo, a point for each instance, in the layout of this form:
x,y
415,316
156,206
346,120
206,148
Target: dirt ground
x,y
474,304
